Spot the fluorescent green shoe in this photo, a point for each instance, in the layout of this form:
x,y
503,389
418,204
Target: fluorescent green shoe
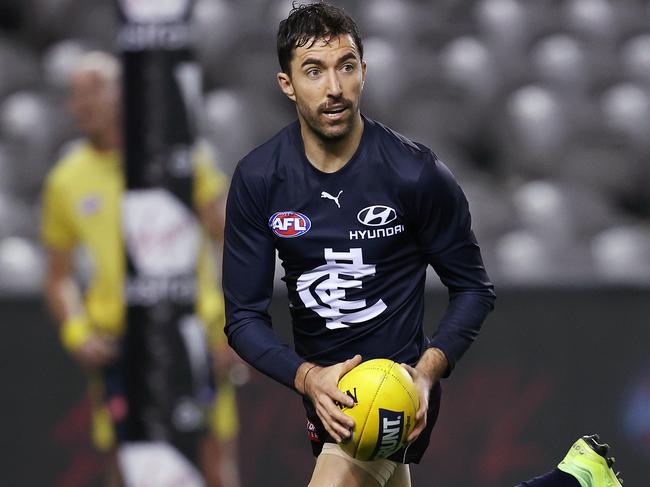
x,y
587,462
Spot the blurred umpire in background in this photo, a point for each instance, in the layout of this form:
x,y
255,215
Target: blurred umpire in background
x,y
81,207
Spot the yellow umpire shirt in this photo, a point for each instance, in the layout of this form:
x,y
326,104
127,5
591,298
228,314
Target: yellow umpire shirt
x,y
81,206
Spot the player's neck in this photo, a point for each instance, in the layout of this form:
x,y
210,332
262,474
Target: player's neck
x,y
331,155
106,141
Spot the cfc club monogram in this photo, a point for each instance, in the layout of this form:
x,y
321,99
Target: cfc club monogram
x,y
323,289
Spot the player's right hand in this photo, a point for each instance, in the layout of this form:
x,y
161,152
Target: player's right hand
x,y
96,351
321,387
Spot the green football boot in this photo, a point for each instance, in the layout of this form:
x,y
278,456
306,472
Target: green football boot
x,y
587,461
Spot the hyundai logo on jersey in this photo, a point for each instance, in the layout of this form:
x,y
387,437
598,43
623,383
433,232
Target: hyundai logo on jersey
x,y
376,216
289,224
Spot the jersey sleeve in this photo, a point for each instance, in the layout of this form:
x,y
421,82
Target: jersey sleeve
x,y
209,182
443,227
248,270
57,229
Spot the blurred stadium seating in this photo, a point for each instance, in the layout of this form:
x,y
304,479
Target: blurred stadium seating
x,y
541,108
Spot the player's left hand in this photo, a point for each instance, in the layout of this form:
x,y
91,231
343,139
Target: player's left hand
x,y
425,374
423,384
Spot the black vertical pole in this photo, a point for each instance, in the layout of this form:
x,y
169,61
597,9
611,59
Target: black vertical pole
x,y
161,232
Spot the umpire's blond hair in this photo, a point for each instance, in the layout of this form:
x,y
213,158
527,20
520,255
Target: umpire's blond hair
x,y
102,63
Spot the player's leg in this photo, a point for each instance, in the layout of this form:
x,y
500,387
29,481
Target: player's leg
x,y
585,465
335,468
102,431
224,424
103,435
554,478
229,463
401,476
113,474
209,457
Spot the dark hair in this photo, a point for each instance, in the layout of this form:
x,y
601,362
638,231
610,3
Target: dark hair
x,y
308,23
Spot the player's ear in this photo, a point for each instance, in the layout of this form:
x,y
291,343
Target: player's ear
x,y
284,80
363,73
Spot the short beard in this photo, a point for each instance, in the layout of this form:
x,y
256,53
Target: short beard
x,y
341,131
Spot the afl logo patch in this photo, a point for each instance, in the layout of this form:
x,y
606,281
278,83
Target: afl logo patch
x,y
376,216
289,224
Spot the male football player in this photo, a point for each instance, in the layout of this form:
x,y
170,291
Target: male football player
x,y
356,213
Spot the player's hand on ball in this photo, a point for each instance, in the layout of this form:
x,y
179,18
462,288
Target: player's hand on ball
x,y
321,386
96,351
425,374
423,384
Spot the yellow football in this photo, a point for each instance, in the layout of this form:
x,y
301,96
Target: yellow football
x,y
385,403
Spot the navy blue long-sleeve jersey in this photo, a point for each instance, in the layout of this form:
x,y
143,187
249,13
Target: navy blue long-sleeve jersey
x,y
354,245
